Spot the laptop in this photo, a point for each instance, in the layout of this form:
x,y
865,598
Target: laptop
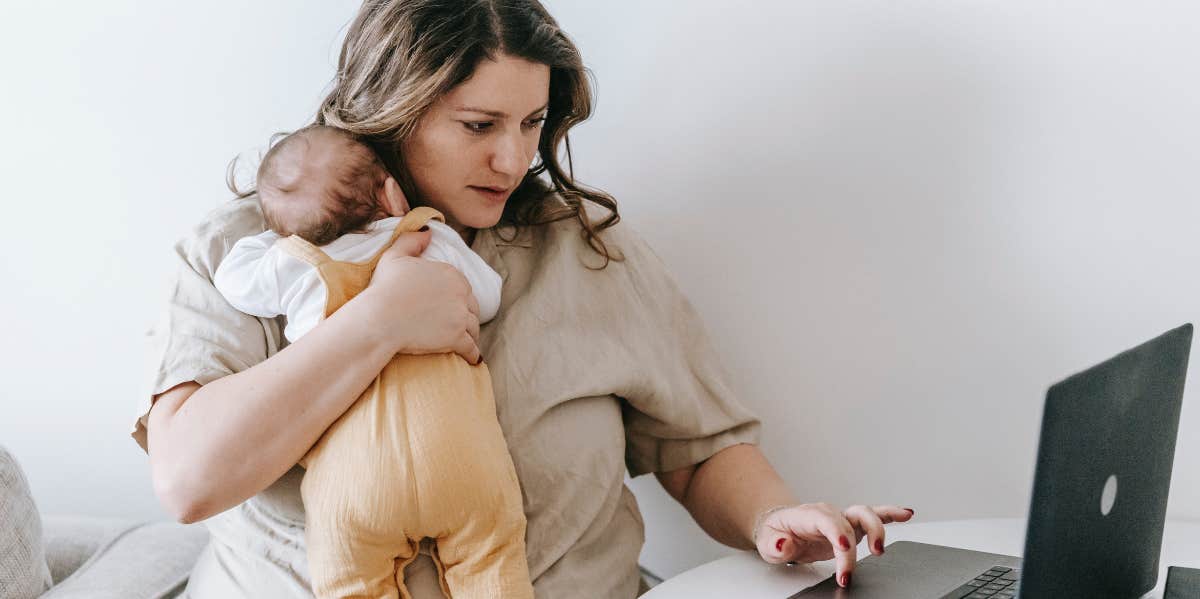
x,y
1099,496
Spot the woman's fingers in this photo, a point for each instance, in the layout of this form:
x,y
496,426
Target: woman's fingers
x,y
781,537
774,546
868,521
473,305
838,531
409,244
809,532
473,317
424,306
475,356
473,327
891,513
776,549
818,531
468,349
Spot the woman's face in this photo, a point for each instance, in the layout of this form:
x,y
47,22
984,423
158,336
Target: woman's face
x,y
474,145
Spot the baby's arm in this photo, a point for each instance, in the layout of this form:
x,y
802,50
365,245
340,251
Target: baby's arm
x,y
248,277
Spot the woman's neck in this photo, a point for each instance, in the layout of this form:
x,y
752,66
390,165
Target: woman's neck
x,y
467,233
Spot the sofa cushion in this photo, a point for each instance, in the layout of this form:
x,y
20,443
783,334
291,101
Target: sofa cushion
x,y
23,570
151,560
72,540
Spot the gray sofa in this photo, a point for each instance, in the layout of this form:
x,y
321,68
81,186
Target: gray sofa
x,y
102,558
70,557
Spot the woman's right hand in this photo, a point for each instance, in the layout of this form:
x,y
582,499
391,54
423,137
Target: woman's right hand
x,y
422,306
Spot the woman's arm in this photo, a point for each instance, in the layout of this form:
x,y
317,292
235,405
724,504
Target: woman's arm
x,y
215,446
726,492
739,499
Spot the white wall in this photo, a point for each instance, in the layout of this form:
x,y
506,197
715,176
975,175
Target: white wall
x,y
900,222
903,221
121,117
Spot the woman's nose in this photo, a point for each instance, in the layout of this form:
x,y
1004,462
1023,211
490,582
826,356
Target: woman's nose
x,y
509,156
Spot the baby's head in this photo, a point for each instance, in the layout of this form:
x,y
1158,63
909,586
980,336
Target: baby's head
x,y
322,182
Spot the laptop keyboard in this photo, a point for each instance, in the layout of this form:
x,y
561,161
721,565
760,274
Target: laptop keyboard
x,y
997,582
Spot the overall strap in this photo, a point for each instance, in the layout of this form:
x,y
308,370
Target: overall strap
x,y
300,248
413,221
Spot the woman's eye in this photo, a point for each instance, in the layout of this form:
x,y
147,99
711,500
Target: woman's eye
x,y
480,127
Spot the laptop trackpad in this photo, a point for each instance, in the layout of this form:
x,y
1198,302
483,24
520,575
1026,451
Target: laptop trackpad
x,y
910,570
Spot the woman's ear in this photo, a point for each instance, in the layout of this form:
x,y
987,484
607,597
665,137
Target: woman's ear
x,y
393,198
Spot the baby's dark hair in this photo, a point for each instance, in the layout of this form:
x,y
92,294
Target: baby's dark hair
x,y
345,206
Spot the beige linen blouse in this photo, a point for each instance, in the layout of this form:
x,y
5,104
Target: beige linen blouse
x,y
594,372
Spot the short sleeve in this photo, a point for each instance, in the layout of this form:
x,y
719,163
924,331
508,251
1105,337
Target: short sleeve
x,y
680,410
199,336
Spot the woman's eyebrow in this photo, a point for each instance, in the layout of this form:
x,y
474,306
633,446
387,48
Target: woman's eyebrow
x,y
496,113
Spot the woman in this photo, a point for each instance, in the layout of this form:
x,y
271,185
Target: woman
x,y
598,363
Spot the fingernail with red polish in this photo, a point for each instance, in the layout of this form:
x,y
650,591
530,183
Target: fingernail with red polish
x,y
844,543
844,580
878,545
910,512
779,545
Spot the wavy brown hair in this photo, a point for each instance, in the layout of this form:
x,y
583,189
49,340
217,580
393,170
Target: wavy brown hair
x,y
400,56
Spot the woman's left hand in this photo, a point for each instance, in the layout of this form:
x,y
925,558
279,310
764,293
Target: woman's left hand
x,y
813,532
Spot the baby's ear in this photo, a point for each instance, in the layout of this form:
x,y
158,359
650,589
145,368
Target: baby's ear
x,y
393,198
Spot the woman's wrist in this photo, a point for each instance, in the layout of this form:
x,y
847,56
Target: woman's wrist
x,y
367,318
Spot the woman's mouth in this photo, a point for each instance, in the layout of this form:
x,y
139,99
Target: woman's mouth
x,y
494,194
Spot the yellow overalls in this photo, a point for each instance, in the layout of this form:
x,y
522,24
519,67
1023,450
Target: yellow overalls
x,y
419,454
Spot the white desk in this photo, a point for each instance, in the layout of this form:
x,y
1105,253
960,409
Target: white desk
x,y
746,576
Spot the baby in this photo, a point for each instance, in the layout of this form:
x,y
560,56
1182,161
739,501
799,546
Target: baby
x,y
424,434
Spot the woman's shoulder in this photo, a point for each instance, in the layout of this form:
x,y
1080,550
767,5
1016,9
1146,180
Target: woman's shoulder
x,y
566,240
210,240
233,219
570,228
633,284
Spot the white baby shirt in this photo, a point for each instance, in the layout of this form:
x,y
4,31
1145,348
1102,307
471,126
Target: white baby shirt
x,y
261,279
